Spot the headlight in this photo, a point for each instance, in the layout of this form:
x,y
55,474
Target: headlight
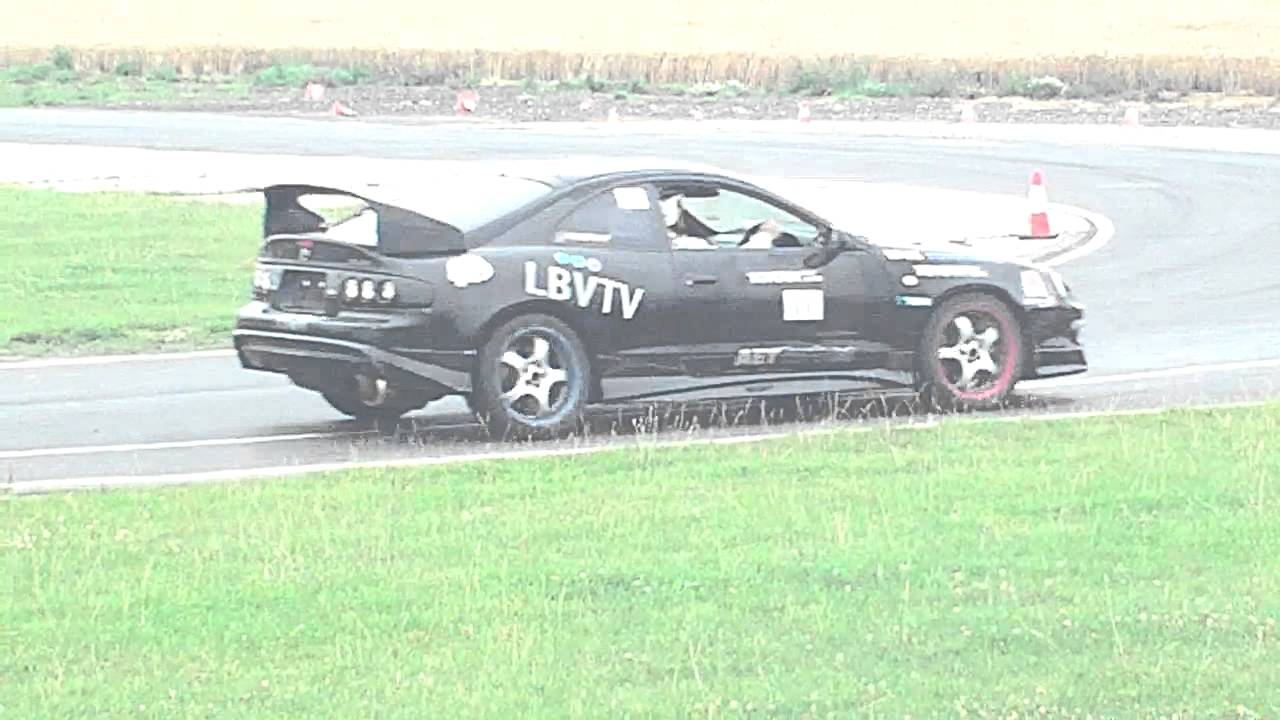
x,y
367,289
387,291
1059,285
1034,286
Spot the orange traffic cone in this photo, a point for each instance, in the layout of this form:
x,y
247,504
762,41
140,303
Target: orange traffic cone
x,y
342,110
1038,199
466,102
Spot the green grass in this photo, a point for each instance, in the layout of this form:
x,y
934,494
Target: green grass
x,y
293,75
57,83
103,92
114,271
1105,568
108,91
623,89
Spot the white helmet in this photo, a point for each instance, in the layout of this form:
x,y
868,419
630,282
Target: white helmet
x,y
670,210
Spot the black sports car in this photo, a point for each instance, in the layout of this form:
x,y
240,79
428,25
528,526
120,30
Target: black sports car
x,y
534,291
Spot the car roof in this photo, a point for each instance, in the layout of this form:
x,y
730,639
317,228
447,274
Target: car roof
x,y
561,171
468,194
403,187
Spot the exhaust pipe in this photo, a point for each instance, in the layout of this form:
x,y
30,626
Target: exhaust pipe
x,y
373,391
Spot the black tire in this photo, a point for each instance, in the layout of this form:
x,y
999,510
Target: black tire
x,y
942,382
530,415
346,400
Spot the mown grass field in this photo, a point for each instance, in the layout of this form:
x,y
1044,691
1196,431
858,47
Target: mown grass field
x,y
115,271
1094,568
931,28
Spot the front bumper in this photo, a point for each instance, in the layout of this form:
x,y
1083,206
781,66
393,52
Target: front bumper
x,y
311,348
1055,342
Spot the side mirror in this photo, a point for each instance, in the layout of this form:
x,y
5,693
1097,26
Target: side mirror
x,y
833,244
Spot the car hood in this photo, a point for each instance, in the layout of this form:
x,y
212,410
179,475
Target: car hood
x,y
946,256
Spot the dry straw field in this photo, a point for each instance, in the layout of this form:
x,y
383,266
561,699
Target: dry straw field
x,y
1231,43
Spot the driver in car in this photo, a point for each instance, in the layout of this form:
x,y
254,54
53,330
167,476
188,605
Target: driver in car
x,y
762,236
685,230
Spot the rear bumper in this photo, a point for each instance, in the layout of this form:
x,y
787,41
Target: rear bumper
x,y
313,348
1055,342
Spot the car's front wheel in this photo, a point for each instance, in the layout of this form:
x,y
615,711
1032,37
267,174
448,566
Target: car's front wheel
x,y
532,378
971,353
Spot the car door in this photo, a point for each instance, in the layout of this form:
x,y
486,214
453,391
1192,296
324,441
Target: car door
x,y
854,293
610,264
750,303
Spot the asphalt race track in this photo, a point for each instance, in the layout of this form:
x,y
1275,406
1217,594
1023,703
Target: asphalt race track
x,y
1181,303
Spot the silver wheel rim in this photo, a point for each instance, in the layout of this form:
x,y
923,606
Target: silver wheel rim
x,y
971,357
534,382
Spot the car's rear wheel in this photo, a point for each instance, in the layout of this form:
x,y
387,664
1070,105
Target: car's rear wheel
x,y
532,378
971,353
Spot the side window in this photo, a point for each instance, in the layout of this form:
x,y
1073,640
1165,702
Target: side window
x,y
706,217
624,217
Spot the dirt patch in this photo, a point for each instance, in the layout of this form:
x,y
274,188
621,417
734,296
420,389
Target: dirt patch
x,y
516,104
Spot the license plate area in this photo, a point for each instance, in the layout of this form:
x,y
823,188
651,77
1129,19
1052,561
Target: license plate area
x,y
301,291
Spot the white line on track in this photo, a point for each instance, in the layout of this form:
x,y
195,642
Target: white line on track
x,y
112,359
1084,381
172,445
1104,231
1048,384
39,487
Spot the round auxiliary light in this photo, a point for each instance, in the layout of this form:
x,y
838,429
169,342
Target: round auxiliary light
x,y
367,289
351,288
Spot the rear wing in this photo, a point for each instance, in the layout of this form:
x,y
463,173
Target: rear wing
x,y
398,231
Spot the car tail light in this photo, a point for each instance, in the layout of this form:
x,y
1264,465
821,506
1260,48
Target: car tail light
x,y
369,291
351,289
264,281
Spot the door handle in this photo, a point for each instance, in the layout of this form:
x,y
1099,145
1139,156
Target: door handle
x,y
692,280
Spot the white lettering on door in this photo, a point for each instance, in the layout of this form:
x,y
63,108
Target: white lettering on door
x,y
531,280
630,301
558,283
581,288
584,287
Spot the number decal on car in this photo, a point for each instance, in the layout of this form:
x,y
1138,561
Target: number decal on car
x,y
803,305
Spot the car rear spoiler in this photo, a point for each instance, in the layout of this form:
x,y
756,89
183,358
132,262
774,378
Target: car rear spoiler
x,y
400,231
